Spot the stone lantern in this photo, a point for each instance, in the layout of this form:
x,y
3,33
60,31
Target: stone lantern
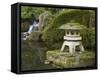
x,y
72,37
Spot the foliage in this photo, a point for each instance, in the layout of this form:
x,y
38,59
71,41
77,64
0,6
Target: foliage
x,y
53,35
88,36
27,12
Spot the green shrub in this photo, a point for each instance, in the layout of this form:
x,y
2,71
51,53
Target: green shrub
x,y
88,40
53,35
27,12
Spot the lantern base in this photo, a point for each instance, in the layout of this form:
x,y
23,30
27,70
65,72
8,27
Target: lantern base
x,y
72,46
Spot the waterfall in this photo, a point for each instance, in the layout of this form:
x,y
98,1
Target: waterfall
x,y
32,28
43,20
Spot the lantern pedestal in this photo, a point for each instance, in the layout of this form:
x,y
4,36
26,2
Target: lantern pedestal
x,y
72,46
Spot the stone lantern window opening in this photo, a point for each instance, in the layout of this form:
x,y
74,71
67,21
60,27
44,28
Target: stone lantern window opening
x,y
67,33
72,33
77,33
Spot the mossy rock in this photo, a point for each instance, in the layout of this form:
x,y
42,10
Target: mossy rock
x,y
67,60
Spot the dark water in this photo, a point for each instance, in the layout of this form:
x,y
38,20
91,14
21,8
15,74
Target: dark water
x,y
33,55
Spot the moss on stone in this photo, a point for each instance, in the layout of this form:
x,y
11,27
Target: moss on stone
x,y
66,60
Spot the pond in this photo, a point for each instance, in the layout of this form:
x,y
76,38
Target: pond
x,y
33,55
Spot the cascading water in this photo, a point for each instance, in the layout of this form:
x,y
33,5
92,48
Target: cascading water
x,y
36,25
32,28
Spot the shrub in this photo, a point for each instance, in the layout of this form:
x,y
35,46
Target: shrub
x,y
53,35
88,36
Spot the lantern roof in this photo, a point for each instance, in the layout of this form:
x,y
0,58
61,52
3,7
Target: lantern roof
x,y
72,26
